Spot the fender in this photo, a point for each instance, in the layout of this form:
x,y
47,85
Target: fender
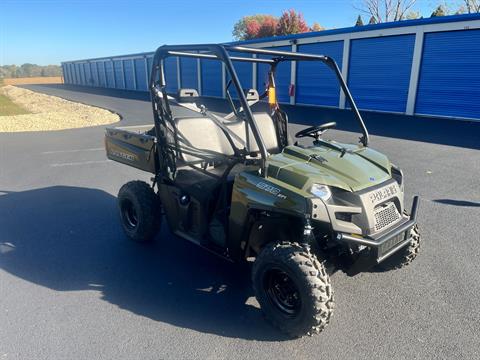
x,y
253,199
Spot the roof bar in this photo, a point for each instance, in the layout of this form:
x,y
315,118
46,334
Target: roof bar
x,y
285,54
207,56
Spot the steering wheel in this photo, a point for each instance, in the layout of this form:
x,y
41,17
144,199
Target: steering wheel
x,y
315,131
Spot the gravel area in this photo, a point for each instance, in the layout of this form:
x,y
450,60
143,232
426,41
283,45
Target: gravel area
x,y
50,113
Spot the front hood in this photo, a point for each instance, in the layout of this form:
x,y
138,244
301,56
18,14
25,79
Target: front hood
x,y
355,169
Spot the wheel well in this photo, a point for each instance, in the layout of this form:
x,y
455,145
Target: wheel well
x,y
265,227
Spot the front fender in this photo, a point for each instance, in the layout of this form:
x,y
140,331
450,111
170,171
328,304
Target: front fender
x,y
254,194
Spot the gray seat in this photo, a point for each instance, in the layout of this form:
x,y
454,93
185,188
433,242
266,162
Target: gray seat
x,y
266,127
201,133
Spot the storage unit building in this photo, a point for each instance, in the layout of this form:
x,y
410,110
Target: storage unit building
x,y
423,67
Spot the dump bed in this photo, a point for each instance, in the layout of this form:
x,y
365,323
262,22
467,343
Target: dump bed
x,y
132,145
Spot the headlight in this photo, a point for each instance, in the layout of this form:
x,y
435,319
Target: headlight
x,y
321,191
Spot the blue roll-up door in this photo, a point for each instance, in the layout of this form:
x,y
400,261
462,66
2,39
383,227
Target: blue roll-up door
x,y
110,74
316,83
93,70
83,77
282,76
102,81
129,76
149,67
73,70
118,72
170,71
140,74
244,72
72,73
88,74
77,73
211,77
65,73
189,73
449,82
379,72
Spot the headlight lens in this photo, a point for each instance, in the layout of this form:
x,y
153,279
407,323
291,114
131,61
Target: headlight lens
x,y
321,191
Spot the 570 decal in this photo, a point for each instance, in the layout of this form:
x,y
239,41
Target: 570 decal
x,y
271,189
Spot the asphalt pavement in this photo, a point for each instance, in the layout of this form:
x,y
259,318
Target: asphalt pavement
x,y
72,286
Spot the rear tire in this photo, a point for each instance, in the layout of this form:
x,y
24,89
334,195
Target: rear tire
x,y
139,211
293,289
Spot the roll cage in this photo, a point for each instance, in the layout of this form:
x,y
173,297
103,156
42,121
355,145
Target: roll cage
x,y
163,114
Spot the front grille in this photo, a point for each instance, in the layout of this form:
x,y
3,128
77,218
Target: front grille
x,y
385,216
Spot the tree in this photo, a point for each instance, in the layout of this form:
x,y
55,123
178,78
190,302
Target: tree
x,y
472,6
372,20
317,27
386,10
268,28
359,21
248,27
28,70
291,22
439,11
412,15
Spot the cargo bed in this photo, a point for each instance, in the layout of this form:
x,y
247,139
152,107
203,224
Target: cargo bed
x,y
132,145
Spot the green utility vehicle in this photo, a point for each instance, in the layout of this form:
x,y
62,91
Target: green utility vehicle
x,y
237,186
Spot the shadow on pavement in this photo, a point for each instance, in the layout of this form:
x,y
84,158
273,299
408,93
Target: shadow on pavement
x,y
457,202
69,238
419,128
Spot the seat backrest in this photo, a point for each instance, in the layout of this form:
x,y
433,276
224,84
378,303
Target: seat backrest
x,y
266,127
183,93
203,134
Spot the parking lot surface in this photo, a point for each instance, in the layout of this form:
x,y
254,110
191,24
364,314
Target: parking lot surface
x,y
72,285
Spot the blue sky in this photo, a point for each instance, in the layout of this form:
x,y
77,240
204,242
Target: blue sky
x,y
51,31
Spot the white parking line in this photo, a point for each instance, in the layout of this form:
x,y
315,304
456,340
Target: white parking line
x,y
80,163
71,151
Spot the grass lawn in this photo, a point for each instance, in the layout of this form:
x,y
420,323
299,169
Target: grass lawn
x,y
7,107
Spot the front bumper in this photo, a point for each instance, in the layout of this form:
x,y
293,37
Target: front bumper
x,y
381,247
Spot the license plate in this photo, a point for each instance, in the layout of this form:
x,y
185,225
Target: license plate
x,y
383,194
390,244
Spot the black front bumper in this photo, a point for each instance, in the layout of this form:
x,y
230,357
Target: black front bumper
x,y
380,248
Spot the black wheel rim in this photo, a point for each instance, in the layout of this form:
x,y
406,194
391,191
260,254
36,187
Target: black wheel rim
x,y
282,292
129,213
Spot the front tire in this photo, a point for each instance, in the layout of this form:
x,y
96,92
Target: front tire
x,y
293,289
139,211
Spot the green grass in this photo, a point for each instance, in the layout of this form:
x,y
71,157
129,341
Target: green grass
x,y
7,107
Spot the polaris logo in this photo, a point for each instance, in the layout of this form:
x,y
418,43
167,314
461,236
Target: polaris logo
x,y
123,155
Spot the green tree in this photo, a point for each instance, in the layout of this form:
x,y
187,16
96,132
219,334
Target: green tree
x,y
28,70
359,21
372,20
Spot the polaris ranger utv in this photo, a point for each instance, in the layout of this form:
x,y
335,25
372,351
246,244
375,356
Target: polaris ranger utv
x,y
237,186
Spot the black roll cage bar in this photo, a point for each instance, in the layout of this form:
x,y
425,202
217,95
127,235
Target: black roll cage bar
x,y
220,52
